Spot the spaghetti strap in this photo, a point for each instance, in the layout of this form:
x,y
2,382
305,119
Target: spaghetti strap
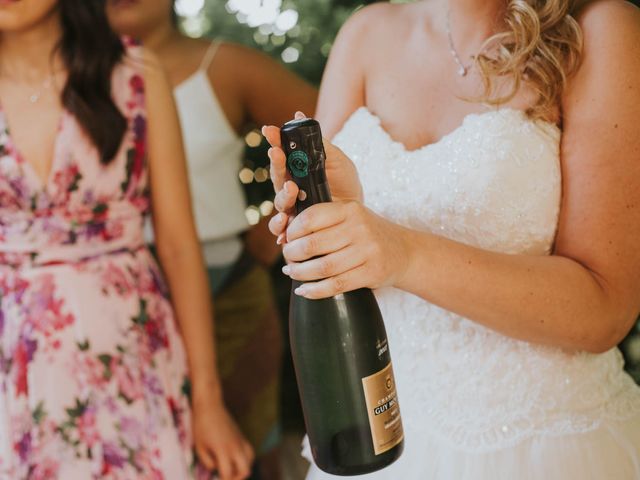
x,y
209,55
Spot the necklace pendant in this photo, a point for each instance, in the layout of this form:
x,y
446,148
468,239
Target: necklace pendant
x,y
34,98
462,71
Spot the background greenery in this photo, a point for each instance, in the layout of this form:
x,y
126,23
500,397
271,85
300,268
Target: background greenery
x,y
308,42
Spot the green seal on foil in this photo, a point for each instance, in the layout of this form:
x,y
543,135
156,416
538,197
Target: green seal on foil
x,y
298,163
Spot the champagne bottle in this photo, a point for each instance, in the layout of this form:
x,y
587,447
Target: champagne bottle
x,y
339,347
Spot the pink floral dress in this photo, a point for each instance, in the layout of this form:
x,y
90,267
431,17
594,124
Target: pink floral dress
x,y
93,370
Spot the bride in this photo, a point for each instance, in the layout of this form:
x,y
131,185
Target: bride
x,y
487,184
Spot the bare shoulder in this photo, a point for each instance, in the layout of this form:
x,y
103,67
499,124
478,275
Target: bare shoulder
x,y
372,16
198,48
372,22
235,64
611,54
228,63
606,9
230,53
610,22
368,36
192,51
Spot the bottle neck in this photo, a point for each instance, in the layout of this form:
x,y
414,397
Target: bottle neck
x,y
314,189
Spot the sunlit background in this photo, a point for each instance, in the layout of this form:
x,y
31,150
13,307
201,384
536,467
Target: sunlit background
x,y
272,22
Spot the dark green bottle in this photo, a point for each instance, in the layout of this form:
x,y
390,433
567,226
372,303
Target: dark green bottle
x,y
340,348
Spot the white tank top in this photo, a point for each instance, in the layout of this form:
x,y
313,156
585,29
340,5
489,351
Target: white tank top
x,y
214,158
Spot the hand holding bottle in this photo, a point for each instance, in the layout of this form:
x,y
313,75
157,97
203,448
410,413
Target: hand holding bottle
x,y
342,246
341,173
335,247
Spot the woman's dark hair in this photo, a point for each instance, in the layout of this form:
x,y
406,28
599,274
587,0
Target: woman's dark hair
x,y
90,51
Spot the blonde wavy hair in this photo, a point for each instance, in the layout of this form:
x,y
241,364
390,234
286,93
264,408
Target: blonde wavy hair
x,y
541,47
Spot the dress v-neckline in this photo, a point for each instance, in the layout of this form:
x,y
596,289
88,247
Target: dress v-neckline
x,y
41,183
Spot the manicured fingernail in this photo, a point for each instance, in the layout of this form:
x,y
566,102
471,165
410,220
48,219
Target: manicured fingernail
x,y
286,270
286,188
300,291
280,239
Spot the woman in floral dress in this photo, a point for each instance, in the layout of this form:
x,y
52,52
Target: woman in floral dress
x,y
94,380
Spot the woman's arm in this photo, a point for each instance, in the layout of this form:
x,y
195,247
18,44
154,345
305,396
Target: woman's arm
x,y
585,296
269,92
342,90
218,442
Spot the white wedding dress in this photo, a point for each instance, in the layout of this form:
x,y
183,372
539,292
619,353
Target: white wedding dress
x,y
477,405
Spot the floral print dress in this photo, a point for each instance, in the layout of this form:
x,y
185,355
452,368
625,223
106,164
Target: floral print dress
x,y
93,371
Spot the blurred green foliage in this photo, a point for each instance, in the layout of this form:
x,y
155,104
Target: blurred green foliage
x,y
317,26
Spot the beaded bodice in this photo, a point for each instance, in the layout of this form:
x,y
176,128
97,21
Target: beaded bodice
x,y
494,183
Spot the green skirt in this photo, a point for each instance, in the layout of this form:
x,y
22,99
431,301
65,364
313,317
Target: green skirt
x,y
249,349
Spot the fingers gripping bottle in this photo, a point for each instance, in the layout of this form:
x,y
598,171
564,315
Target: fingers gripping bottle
x,y
340,348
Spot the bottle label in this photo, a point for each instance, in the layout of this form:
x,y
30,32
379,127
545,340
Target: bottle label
x,y
383,409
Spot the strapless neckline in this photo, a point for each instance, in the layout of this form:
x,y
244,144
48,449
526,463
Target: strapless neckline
x,y
476,117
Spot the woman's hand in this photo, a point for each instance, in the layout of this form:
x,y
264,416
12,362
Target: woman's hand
x,y
342,246
339,246
219,444
341,174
